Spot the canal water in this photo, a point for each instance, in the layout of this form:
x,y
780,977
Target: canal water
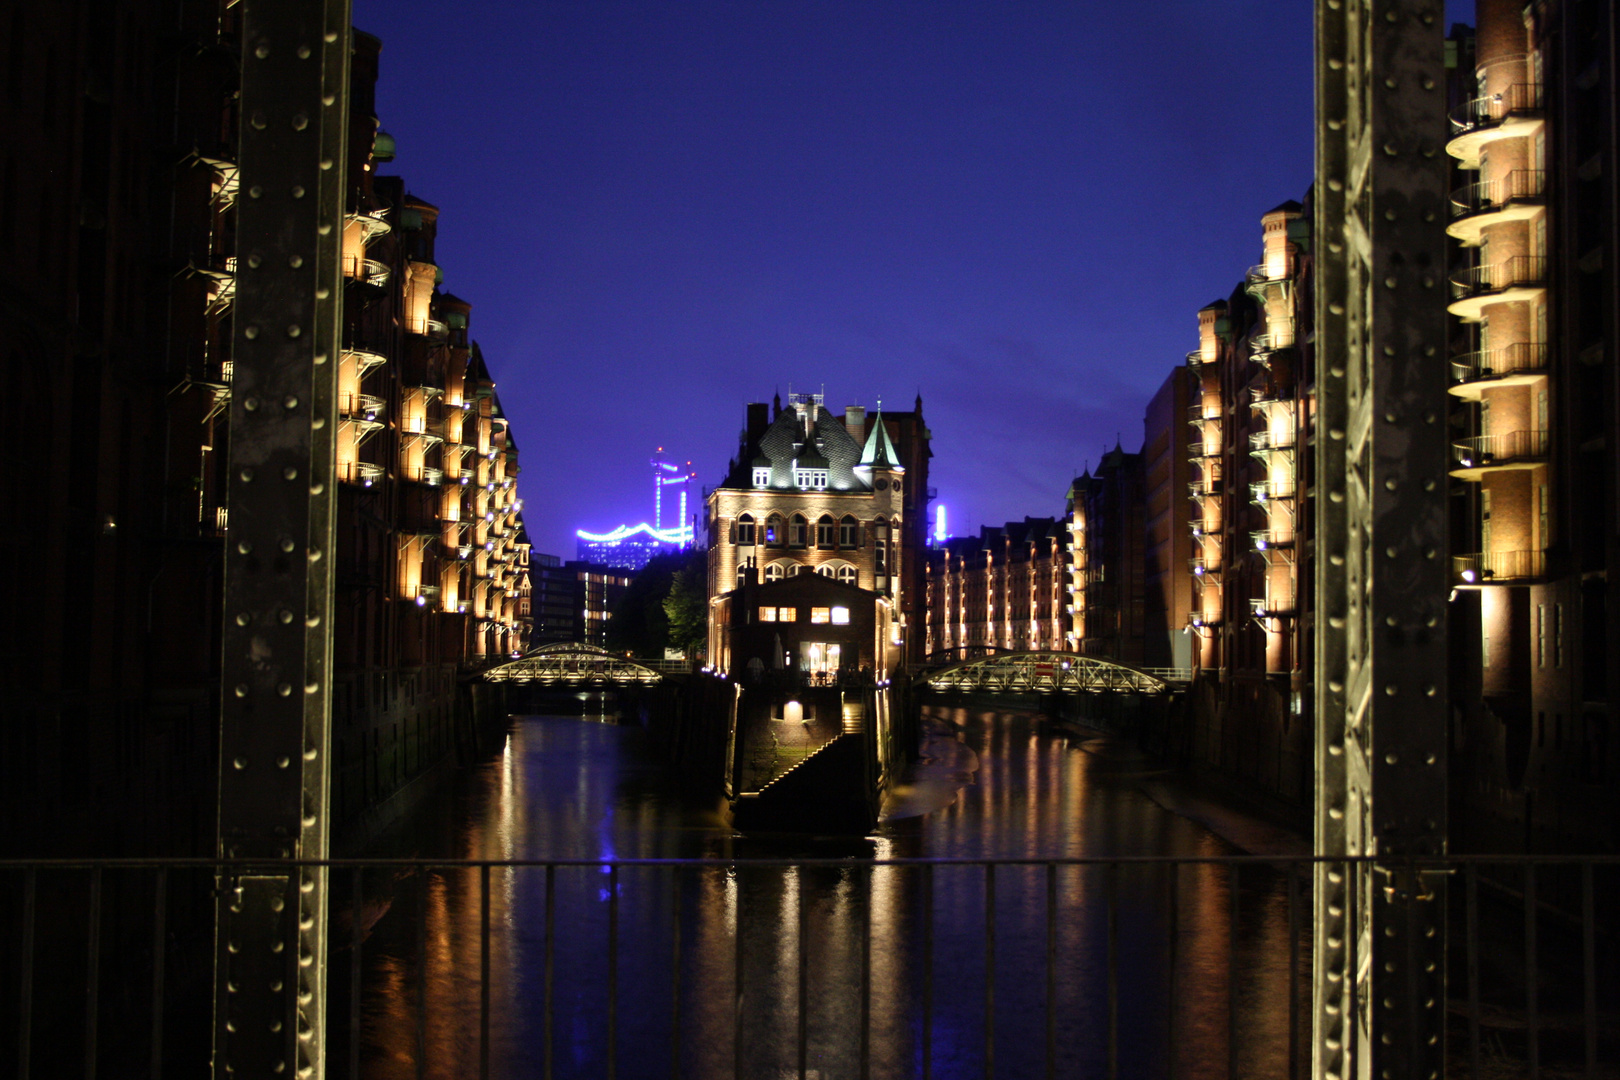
x,y
645,971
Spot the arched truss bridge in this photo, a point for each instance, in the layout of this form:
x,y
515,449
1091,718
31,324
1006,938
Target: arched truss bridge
x,y
1035,672
568,663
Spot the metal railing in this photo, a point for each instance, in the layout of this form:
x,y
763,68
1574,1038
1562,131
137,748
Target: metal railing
x,y
1485,451
1523,357
1134,966
1517,271
1487,196
1272,489
367,408
1199,413
1270,607
363,473
1268,439
1499,566
1520,99
367,271
1265,539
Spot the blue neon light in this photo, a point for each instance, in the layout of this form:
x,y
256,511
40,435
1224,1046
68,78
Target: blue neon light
x,y
668,536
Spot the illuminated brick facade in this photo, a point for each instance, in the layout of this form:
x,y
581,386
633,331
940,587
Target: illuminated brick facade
x,y
810,492
1004,588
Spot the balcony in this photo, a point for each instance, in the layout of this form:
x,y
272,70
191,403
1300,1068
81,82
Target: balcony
x,y
1272,491
373,226
1204,569
1275,606
416,427
1272,539
1201,413
1514,112
1195,359
430,476
364,360
365,271
222,287
1474,373
1514,197
1499,567
362,410
425,595
1473,458
359,473
1271,440
1205,488
1521,278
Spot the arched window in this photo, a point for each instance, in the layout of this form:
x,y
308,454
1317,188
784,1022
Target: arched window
x,y
849,532
846,574
742,576
775,532
799,531
825,570
795,570
824,531
745,531
773,572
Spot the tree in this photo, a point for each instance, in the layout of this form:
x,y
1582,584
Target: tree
x,y
686,606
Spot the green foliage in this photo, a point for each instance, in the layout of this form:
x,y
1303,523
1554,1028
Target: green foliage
x,y
665,605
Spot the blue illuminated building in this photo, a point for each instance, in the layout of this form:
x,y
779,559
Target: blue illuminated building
x,y
629,547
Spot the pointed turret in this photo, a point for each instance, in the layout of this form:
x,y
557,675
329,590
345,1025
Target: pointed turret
x,y
879,451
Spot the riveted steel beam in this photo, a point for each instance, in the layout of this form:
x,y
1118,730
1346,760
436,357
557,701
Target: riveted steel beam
x,y
1380,566
270,950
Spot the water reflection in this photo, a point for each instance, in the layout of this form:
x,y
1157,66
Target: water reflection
x,y
643,971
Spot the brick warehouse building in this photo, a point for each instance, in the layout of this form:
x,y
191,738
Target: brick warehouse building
x,y
1003,588
117,231
810,492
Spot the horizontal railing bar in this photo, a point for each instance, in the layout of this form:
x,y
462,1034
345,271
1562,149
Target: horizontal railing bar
x,y
1429,862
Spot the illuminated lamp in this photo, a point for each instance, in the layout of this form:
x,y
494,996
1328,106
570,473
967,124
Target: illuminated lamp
x,y
421,601
1260,545
1469,576
1199,570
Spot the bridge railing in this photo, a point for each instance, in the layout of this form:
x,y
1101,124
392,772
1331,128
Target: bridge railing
x,y
1122,966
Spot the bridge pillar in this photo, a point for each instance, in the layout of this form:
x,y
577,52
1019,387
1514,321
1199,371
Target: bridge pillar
x,y
1381,561
270,936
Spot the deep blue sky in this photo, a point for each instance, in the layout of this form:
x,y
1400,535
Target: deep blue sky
x,y
661,211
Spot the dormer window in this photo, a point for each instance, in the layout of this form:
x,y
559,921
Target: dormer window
x,y
762,476
810,478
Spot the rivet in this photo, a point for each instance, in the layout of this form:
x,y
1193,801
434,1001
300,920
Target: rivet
x,y
322,293
247,473
1428,485
1390,283
314,555
1336,621
256,192
285,616
1390,620
1335,685
298,191
300,122
316,488
312,688
1428,281
1429,759
255,260
240,763
1336,64
1429,553
282,762
241,690
1391,690
1335,124
1335,184
325,229
284,689
1391,552
250,332
1389,931
1335,812
1336,496
320,358
295,261
312,621
275,1025
1337,371
233,947
309,755
1430,691
291,402
1428,83
244,548
327,99
257,121
1335,749
326,164
1389,215
308,822
287,545
243,618
1390,484
1336,433
1390,151
294,330
1428,215
262,50
1336,559
1389,84
289,473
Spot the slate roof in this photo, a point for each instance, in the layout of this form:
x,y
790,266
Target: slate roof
x,y
828,445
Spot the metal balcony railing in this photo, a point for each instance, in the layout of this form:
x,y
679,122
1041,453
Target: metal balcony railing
x,y
1266,539
367,271
1487,451
364,360
425,595
1518,271
431,476
1489,196
1270,490
1204,568
1195,358
1205,488
1199,413
1518,100
1499,567
1272,440
1277,605
363,473
1524,357
364,408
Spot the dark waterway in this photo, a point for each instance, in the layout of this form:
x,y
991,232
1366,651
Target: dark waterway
x,y
989,784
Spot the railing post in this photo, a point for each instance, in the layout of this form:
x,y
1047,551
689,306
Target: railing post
x,y
270,947
1380,566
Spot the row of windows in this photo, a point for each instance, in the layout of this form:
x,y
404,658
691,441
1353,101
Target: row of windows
x,y
838,616
777,531
777,571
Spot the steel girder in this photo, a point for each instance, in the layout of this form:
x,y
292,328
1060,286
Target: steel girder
x,y
1040,672
573,664
270,923
1380,556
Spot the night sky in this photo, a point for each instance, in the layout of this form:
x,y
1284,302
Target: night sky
x,y
661,211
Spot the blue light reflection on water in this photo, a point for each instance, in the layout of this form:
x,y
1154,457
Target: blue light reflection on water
x,y
574,789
